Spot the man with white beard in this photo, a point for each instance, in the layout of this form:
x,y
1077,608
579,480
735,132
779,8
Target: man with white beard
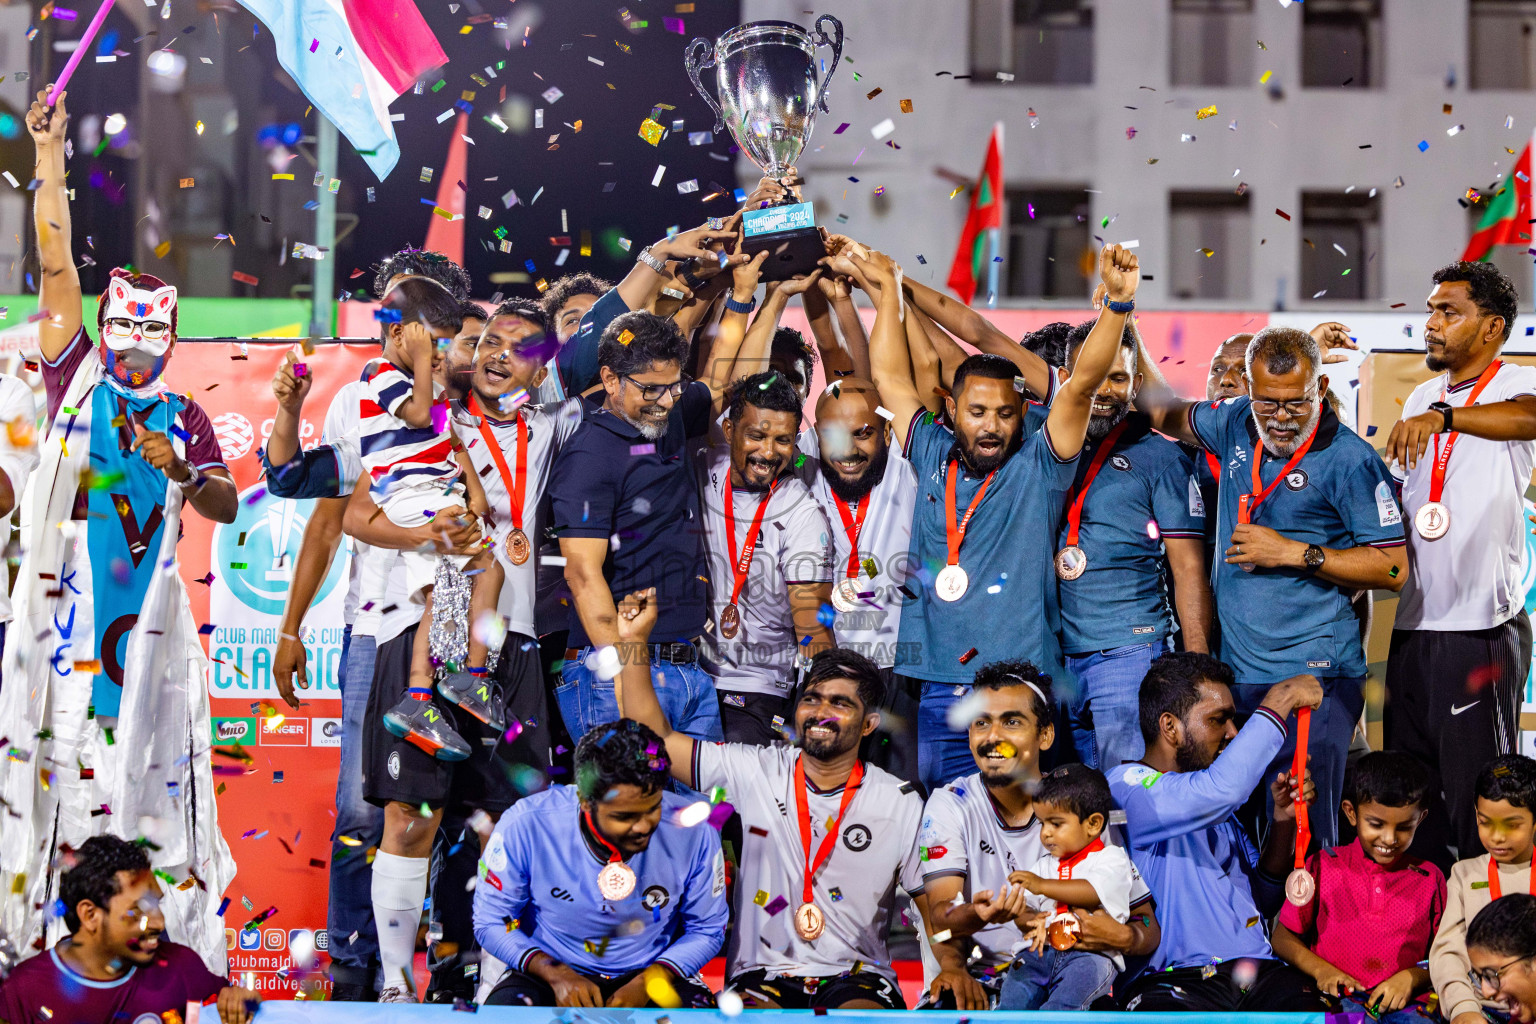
x,y
1283,598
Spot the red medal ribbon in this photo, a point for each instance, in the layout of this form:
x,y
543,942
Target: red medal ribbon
x,y
802,804
1064,869
1248,504
956,534
1299,773
1443,453
853,527
1214,465
1075,510
743,563
1494,890
614,856
516,485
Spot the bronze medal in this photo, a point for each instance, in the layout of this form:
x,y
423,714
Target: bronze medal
x,y
1300,887
518,548
1071,562
616,881
809,922
1063,930
730,621
1432,520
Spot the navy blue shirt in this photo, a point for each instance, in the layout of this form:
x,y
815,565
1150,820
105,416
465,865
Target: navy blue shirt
x,y
312,474
1010,609
1277,623
640,495
576,362
1145,491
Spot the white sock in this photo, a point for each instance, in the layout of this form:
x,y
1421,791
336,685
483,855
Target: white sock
x,y
399,889
491,971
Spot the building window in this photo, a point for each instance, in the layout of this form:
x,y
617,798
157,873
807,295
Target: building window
x,y
1500,35
1208,236
1048,243
1211,42
1341,240
1341,44
1036,42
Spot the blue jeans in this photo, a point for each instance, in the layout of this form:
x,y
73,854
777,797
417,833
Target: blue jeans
x,y
686,694
943,753
1333,726
353,961
1056,980
1103,715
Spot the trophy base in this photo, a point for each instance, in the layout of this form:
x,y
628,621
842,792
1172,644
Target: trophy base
x,y
790,236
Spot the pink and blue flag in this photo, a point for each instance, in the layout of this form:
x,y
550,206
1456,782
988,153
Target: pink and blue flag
x,y
352,59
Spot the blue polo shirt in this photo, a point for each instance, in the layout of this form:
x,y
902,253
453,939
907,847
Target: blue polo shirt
x,y
1145,491
1278,623
611,482
576,362
1010,608
1183,836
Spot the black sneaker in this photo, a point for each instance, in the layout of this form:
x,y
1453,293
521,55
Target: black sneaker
x,y
423,724
477,695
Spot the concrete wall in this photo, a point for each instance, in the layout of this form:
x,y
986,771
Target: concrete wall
x,y
1305,139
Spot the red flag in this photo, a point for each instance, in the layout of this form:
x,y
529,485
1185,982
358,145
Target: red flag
x,y
970,266
446,235
1507,220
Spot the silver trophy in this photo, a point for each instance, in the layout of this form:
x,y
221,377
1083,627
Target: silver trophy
x,y
769,94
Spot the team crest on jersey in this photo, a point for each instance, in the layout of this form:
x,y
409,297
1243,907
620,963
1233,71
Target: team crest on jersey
x,y
856,838
655,898
1120,462
1296,479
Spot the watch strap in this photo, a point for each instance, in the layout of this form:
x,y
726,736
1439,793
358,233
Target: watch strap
x,y
740,307
1120,307
651,260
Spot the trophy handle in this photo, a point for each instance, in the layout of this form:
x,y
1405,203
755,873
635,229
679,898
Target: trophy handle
x,y
835,40
700,55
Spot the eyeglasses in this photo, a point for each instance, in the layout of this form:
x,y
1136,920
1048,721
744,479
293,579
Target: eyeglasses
x,y
651,392
1491,978
152,330
1294,407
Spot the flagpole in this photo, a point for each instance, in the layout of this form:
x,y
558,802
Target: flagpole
x,y
995,235
323,272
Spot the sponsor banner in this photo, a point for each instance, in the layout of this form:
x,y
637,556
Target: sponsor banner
x,y
278,817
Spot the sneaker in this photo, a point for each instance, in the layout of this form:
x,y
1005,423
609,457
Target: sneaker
x,y
396,994
422,724
477,695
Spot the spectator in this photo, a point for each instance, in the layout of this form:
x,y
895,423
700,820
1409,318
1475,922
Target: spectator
x,y
1501,972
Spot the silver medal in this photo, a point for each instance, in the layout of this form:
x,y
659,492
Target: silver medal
x,y
951,583
845,596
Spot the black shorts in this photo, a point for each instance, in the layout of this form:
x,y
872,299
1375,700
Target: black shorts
x,y
396,770
518,989
749,717
796,993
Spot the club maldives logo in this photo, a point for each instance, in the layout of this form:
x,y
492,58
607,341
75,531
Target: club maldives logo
x,y
254,556
235,434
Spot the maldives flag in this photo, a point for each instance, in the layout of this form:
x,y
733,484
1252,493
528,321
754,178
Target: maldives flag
x,y
1507,220
352,59
986,213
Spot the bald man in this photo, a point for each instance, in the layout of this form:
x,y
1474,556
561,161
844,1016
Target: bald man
x,y
867,490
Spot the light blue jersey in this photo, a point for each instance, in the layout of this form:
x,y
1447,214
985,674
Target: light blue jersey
x,y
538,892
1212,899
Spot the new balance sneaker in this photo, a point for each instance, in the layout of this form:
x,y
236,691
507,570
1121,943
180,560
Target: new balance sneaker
x,y
477,695
396,994
421,723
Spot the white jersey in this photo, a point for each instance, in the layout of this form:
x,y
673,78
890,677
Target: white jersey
x,y
342,431
963,835
1473,577
793,546
884,546
17,405
1111,874
549,427
855,888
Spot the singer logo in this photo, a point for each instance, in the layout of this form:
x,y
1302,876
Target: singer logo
x,y
289,732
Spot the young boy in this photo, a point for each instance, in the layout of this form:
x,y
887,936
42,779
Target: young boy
x,y
1078,870
1374,912
1506,821
416,468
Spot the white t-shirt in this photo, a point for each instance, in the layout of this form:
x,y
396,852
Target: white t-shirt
x,y
16,403
855,888
549,427
793,546
1111,874
1472,577
885,539
963,835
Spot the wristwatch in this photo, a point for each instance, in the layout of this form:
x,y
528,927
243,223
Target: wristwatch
x,y
1313,558
1120,307
651,260
1444,410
